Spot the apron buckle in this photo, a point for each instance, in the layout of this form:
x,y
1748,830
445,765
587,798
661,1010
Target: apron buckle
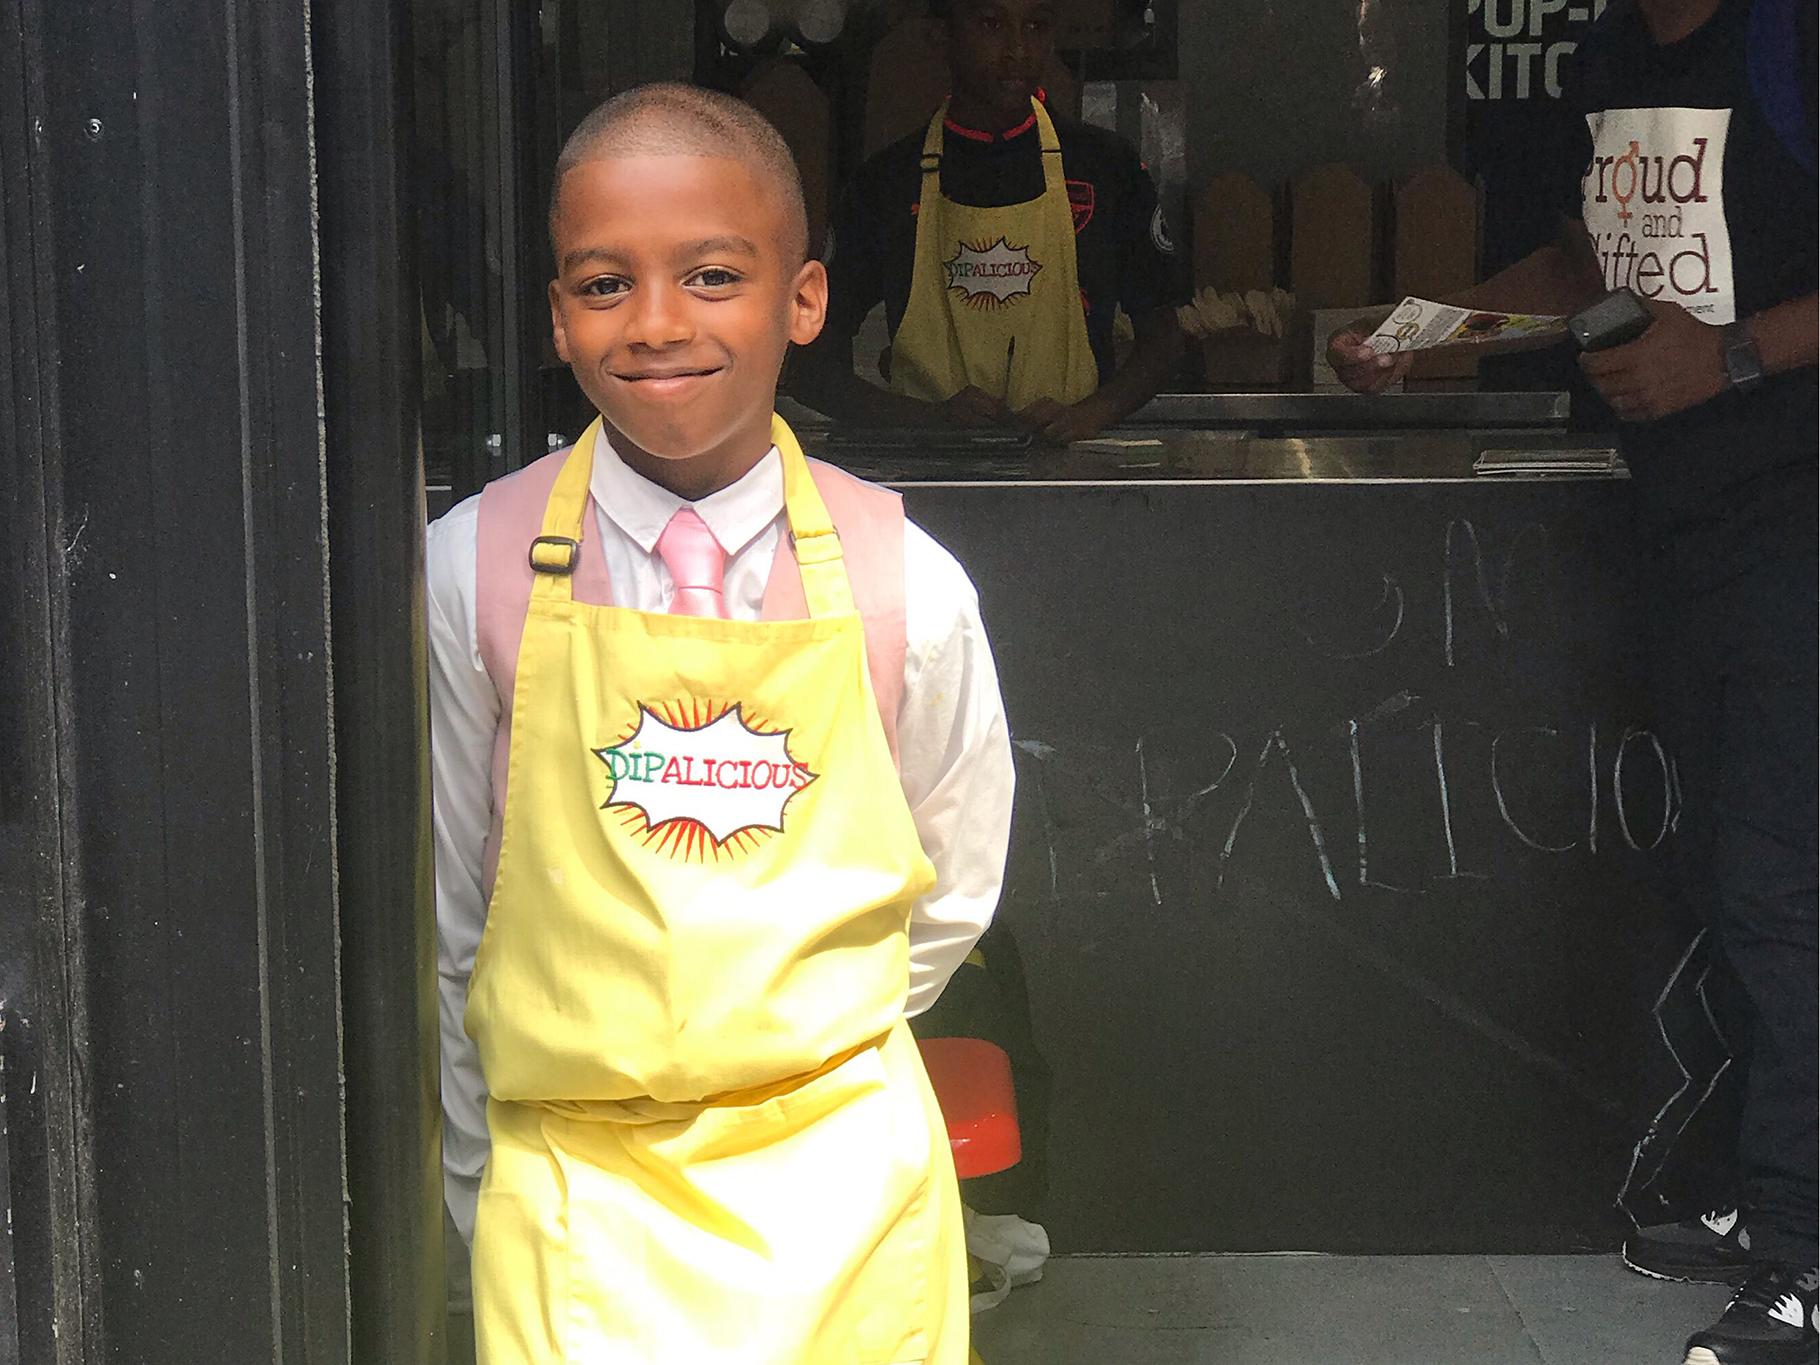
x,y
555,554
816,547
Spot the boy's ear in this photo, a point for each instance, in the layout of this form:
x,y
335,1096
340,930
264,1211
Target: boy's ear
x,y
557,332
808,303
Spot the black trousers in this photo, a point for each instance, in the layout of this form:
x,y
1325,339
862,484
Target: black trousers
x,y
1734,673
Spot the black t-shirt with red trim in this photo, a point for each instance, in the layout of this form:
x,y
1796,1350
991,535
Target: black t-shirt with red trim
x,y
1124,251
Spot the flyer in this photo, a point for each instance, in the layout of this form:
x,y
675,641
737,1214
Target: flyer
x,y
1422,325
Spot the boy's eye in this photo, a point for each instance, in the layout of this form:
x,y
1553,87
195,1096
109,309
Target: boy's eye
x,y
604,287
714,277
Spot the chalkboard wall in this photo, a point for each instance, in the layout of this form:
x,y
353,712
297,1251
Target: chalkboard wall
x,y
1339,830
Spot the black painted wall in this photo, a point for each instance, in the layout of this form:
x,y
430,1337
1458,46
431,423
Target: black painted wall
x,y
1334,869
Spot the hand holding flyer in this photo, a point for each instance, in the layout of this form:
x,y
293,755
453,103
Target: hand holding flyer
x,y
1421,325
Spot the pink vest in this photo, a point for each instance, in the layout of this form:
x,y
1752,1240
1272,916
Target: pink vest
x,y
870,520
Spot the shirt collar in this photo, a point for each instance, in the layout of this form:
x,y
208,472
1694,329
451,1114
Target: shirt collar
x,y
1007,135
640,508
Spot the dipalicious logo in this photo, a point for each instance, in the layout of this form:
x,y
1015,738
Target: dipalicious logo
x,y
698,781
990,276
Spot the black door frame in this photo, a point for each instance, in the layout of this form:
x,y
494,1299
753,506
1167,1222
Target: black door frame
x,y
216,947
44,1274
372,388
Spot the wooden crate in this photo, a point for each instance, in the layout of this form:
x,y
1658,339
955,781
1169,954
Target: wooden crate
x,y
1436,252
1234,235
1341,261
1332,239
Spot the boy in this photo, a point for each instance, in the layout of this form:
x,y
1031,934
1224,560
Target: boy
x,y
1078,233
678,947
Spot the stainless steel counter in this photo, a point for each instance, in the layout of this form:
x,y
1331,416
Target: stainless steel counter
x,y
1283,413
1162,456
1309,414
1245,438
1230,438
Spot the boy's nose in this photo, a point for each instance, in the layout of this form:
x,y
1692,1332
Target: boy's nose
x,y
658,319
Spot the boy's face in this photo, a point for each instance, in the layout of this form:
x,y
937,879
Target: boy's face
x,y
673,303
997,52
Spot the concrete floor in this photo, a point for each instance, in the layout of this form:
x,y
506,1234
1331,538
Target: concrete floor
x,y
1329,1310
1344,1310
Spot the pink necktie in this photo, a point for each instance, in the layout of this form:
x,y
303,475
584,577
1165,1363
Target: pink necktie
x,y
695,561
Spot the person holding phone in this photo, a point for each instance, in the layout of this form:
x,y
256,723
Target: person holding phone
x,y
1692,184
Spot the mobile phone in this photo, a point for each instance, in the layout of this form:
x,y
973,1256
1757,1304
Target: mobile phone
x,y
1615,319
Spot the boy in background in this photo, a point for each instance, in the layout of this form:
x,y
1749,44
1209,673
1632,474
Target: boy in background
x,y
1002,240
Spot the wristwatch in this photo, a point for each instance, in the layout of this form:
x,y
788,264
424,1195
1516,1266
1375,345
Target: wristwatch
x,y
1743,361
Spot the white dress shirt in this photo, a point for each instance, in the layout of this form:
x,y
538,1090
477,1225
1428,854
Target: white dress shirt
x,y
954,751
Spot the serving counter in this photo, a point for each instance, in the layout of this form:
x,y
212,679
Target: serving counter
x,y
1338,823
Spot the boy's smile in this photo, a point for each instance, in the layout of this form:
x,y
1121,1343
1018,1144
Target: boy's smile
x,y
678,289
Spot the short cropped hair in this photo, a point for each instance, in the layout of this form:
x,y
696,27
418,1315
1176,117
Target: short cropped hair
x,y
667,118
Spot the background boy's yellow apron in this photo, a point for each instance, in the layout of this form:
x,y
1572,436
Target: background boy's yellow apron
x,y
713,1140
983,276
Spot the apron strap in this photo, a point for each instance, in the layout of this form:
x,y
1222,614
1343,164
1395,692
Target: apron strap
x,y
557,550
932,156
826,591
1054,181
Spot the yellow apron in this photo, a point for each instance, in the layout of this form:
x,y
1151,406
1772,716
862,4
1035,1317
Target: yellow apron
x,y
713,1139
986,276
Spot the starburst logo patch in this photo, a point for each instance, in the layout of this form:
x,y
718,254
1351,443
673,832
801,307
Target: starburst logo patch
x,y
990,276
697,781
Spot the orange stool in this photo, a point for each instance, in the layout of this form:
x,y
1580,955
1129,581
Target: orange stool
x,y
972,1081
